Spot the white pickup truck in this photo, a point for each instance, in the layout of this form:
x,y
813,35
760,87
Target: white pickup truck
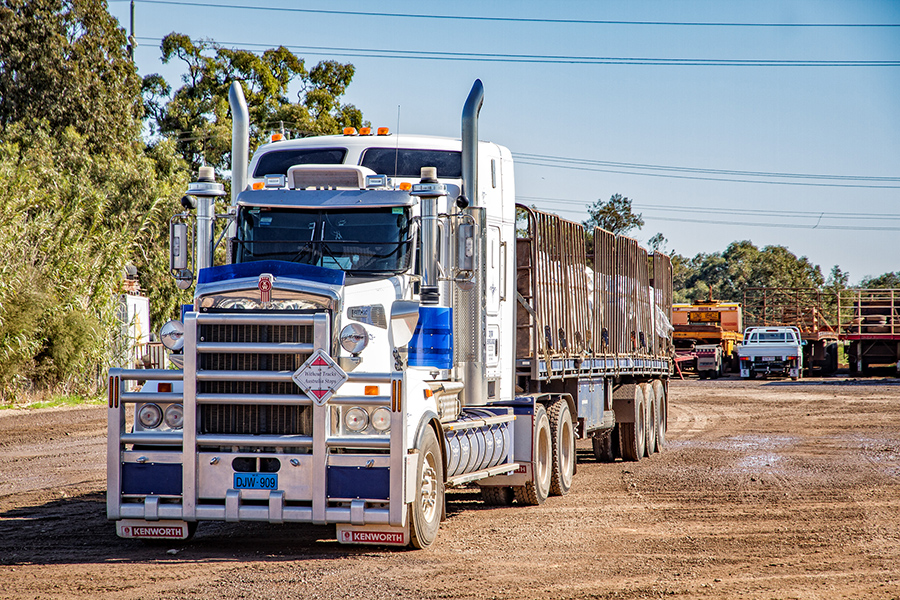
x,y
771,351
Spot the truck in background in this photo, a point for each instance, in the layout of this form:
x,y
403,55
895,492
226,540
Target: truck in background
x,y
381,333
869,322
803,308
769,351
706,323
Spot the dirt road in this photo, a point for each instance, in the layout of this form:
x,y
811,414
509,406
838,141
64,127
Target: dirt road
x,y
768,489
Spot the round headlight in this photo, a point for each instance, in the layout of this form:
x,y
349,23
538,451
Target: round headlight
x,y
175,416
149,416
356,419
354,338
172,335
381,419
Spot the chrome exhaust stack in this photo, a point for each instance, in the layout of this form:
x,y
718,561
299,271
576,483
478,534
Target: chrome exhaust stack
x,y
240,140
470,299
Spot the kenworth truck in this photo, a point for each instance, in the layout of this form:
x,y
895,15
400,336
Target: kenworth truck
x,y
378,333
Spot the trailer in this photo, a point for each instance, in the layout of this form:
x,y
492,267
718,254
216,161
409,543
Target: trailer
x,y
384,329
704,323
811,311
869,322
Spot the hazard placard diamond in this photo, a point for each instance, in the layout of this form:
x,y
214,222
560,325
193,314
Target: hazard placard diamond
x,y
319,377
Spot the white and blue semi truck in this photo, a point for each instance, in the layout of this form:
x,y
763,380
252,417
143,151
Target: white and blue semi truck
x,y
387,323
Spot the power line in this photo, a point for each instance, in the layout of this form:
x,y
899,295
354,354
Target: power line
x,y
784,225
738,212
554,59
582,161
598,169
729,211
792,214
511,19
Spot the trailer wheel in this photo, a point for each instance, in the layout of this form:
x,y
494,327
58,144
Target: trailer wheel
x,y
651,420
603,447
495,495
563,435
536,491
662,410
631,435
426,509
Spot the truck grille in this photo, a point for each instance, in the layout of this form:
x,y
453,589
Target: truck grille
x,y
253,419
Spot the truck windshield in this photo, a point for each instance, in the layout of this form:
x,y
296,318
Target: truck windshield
x,y
363,241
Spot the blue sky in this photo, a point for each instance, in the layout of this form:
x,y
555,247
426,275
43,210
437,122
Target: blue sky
x,y
775,147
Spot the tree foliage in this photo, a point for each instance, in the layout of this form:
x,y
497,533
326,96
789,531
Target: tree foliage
x,y
614,215
885,280
742,265
64,62
80,194
197,114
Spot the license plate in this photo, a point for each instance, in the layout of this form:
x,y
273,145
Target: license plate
x,y
768,358
256,481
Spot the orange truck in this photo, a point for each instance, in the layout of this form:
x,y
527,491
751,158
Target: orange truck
x,y
705,323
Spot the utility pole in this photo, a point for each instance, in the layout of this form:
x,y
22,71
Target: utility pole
x,y
132,41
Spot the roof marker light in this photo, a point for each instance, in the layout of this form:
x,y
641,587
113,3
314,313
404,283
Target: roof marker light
x,y
384,131
349,130
365,131
277,137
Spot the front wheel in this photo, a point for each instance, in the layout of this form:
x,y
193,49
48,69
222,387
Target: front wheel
x,y
426,509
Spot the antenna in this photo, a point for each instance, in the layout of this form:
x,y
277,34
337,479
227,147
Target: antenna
x,y
397,150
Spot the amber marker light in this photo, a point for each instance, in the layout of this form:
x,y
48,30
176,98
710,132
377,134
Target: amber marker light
x,y
405,186
349,130
365,131
384,131
371,390
259,185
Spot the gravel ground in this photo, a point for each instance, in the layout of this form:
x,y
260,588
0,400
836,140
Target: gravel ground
x,y
767,489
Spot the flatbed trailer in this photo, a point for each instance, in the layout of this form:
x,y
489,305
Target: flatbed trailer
x,y
869,322
811,311
600,335
709,322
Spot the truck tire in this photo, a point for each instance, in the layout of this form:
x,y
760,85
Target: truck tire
x,y
631,435
562,432
535,492
425,511
651,420
496,495
603,447
662,411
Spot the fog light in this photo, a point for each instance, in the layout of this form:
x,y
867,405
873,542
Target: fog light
x,y
175,416
149,416
354,338
381,419
172,335
356,419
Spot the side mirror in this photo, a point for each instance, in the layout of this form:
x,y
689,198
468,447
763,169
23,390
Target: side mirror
x,y
178,247
404,317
